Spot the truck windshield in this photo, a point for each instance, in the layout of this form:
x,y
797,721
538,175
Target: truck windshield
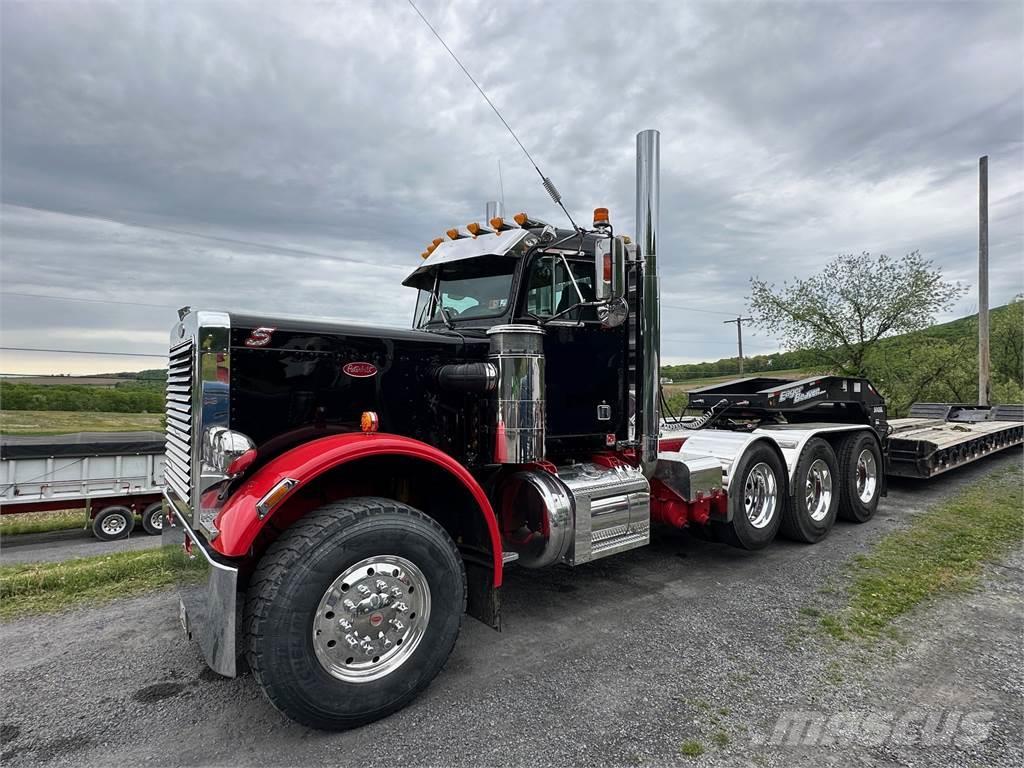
x,y
467,292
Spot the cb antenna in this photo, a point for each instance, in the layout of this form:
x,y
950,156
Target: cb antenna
x,y
549,186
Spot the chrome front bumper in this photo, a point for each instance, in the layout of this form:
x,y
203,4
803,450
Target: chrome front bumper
x,y
207,588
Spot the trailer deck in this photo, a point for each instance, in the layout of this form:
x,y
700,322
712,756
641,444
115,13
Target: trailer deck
x,y
938,437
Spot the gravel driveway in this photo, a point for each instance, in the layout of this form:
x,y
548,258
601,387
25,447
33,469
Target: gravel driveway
x,y
619,662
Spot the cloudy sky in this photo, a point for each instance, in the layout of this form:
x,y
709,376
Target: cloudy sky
x,y
295,157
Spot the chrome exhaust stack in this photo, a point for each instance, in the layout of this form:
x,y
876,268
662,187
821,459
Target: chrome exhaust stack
x,y
648,160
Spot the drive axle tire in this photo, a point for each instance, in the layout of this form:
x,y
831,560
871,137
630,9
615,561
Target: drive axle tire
x,y
353,611
757,493
112,523
153,518
860,487
814,496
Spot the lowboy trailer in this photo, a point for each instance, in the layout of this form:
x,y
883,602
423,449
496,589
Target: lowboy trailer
x,y
114,476
339,496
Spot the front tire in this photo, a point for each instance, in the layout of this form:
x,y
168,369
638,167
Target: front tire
x,y
756,498
814,497
353,611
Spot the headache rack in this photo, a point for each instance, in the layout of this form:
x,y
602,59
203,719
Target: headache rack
x,y
833,399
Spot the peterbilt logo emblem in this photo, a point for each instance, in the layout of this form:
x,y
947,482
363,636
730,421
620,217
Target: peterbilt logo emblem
x,y
360,370
259,337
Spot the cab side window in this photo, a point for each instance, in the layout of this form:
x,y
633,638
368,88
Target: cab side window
x,y
550,290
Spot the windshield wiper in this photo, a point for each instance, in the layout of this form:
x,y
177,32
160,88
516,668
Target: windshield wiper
x,y
445,319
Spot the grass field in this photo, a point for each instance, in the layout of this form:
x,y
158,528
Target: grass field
x,y
941,553
41,522
61,422
39,587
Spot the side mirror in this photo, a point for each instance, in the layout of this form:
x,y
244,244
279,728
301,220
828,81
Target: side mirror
x,y
609,269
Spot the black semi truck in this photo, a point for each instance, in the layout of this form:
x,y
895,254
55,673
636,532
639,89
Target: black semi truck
x,y
359,489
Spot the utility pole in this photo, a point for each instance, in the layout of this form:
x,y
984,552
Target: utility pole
x,y
739,335
984,386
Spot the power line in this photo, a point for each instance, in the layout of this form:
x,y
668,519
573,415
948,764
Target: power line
x,y
87,301
548,185
698,309
82,352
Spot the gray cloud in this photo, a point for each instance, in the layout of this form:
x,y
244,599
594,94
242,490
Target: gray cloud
x,y
295,157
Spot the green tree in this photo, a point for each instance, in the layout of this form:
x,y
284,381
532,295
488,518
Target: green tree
x,y
1006,344
841,313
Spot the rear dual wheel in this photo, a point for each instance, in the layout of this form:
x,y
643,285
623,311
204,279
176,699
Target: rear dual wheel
x,y
814,494
153,518
756,499
112,523
860,484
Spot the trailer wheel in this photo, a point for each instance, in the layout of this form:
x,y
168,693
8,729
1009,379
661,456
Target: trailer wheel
x,y
353,611
153,518
814,497
860,462
113,523
756,498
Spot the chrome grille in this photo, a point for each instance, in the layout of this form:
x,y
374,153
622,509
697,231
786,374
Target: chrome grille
x,y
178,466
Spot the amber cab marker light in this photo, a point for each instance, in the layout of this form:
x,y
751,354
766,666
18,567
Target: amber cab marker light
x,y
498,223
474,228
369,422
438,241
425,254
453,234
520,218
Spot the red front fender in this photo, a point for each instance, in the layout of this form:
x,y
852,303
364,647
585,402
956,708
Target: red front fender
x,y
239,525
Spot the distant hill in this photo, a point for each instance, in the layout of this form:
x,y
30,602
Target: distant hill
x,y
960,330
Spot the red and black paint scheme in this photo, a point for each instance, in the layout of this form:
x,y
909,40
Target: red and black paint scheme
x,y
357,489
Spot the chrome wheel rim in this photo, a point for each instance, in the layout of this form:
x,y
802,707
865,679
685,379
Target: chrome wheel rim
x,y
371,618
114,524
818,491
156,519
867,476
760,495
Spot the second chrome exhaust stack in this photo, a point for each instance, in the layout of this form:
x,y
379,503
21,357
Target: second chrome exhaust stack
x,y
648,151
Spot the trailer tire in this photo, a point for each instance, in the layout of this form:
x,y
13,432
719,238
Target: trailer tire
x,y
814,496
112,523
153,518
315,667
860,488
757,495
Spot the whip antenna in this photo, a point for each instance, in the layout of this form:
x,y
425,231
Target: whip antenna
x,y
549,185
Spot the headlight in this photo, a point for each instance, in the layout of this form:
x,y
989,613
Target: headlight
x,y
223,447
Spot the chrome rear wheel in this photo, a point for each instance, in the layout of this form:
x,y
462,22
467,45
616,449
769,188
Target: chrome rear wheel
x,y
867,476
760,495
818,490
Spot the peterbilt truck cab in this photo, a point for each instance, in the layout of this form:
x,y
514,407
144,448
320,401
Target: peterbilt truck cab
x,y
338,496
